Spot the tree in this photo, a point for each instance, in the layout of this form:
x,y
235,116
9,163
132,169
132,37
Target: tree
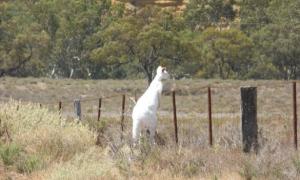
x,y
225,54
200,14
254,14
279,41
140,41
22,42
70,24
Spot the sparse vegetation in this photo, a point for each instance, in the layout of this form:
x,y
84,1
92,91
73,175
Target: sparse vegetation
x,y
99,39
248,171
38,144
28,164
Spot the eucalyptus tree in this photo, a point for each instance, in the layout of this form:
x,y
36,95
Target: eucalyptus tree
x,y
143,40
201,14
23,43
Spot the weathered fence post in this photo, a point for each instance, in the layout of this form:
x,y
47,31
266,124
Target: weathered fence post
x,y
60,109
122,115
210,136
77,109
59,106
249,118
175,115
99,108
295,114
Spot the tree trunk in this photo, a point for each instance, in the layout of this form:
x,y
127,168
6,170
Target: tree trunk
x,y
148,71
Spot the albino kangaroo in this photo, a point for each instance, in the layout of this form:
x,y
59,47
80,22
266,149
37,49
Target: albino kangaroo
x,y
144,112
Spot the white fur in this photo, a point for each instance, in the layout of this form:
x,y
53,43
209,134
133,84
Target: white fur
x,y
144,112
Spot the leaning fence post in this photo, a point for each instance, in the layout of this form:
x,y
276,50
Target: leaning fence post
x,y
99,108
77,109
295,114
122,115
175,115
209,117
249,118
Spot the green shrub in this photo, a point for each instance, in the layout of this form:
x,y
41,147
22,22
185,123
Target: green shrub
x,y
27,164
9,153
296,163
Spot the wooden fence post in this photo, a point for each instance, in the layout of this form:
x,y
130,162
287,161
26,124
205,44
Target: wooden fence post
x,y
249,118
99,109
175,115
59,106
60,109
210,136
295,114
77,109
122,115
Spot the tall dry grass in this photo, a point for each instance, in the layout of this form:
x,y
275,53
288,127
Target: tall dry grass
x,y
36,137
36,143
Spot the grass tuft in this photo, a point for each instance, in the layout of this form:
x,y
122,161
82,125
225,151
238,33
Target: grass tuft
x,y
9,153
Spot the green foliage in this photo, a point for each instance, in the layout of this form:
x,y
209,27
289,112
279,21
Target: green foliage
x,y
278,41
12,154
225,54
254,14
9,153
28,164
51,35
22,40
99,39
201,14
144,40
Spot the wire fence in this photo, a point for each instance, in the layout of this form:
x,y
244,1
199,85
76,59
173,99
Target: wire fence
x,y
276,107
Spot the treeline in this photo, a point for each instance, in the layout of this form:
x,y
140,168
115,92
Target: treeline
x,y
236,39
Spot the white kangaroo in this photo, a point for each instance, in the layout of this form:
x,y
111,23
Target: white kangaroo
x,y
144,112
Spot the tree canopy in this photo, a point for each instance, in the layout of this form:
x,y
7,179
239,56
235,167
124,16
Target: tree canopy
x,y
97,39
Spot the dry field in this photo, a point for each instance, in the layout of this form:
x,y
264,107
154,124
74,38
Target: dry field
x,y
35,143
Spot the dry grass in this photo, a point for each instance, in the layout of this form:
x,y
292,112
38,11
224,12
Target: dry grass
x,y
33,138
46,146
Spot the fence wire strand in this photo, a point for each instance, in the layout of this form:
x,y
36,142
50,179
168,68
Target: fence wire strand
x,y
274,102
